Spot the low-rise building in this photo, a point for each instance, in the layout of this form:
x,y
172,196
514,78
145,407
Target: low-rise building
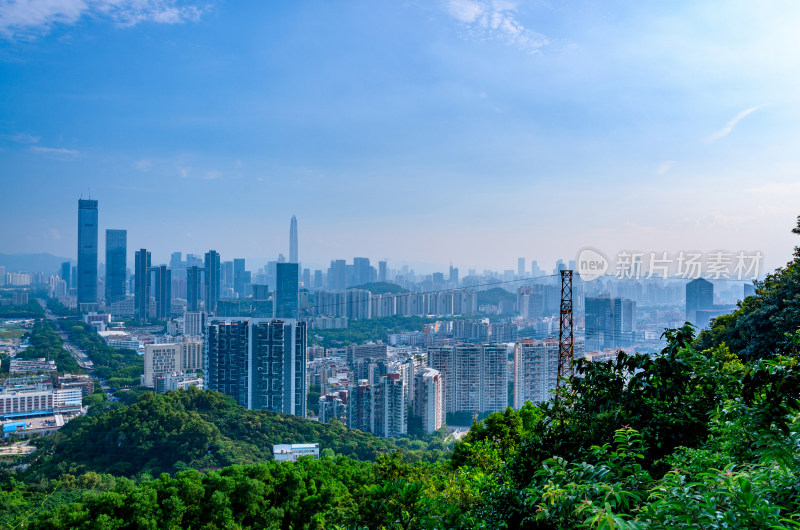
x,y
291,452
20,366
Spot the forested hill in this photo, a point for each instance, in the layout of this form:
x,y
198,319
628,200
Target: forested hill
x,y
765,324
188,429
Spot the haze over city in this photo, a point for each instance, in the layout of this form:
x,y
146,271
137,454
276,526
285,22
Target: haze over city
x,y
423,132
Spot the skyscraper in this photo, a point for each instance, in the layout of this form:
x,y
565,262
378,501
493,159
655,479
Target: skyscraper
x,y
521,267
116,265
87,254
193,288
65,270
382,271
261,363
212,281
176,261
337,274
610,322
142,287
163,291
362,271
293,241
286,290
699,297
239,278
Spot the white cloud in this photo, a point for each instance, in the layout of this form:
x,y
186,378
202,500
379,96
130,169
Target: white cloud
x,y
22,138
34,17
664,167
144,164
55,152
495,19
725,131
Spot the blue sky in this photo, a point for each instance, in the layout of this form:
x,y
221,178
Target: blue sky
x,y
475,131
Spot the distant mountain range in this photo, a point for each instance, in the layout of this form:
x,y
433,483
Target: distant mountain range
x,y
32,262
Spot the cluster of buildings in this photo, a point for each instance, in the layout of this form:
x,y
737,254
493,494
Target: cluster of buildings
x,y
359,304
30,396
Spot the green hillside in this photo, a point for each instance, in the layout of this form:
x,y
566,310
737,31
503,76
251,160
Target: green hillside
x,y
494,296
182,430
381,288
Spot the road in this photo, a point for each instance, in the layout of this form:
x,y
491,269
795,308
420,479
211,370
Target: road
x,y
78,354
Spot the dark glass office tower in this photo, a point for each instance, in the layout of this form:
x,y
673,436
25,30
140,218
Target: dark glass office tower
x,y
293,241
65,270
87,255
193,288
116,257
163,291
142,287
699,297
212,281
287,290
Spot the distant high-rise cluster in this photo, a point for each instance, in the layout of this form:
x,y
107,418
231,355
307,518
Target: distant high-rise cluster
x,y
610,323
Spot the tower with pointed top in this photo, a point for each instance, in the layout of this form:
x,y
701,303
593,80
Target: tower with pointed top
x,y
293,241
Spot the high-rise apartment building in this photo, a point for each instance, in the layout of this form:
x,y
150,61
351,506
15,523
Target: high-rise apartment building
x,y
212,270
535,370
259,362
293,257
287,290
142,285
116,265
87,255
475,376
429,399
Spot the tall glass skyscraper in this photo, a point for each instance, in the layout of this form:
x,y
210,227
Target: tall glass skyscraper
x,y
287,290
212,281
163,291
293,241
66,268
142,287
193,288
116,261
87,254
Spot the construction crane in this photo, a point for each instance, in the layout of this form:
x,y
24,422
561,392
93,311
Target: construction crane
x,y
566,342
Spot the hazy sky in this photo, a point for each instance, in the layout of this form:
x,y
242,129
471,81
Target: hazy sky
x,y
426,131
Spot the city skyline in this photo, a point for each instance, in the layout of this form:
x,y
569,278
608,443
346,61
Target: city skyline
x,y
534,137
